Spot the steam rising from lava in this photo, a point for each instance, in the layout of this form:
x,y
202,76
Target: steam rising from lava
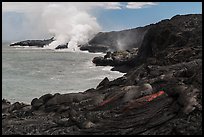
x,y
69,24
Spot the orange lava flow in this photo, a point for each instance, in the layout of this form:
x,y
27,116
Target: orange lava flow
x,y
153,96
149,98
134,103
143,100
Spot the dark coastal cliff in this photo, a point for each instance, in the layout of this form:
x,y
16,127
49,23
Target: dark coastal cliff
x,y
116,40
166,42
134,38
160,94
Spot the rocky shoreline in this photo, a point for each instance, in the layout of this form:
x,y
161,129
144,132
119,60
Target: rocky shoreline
x,y
160,94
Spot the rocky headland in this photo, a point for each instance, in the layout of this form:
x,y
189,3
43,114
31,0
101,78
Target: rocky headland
x,y
36,43
160,94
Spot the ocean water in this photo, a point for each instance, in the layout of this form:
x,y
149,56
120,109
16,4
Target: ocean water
x,y
32,72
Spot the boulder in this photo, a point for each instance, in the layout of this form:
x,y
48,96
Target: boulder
x,y
46,97
100,61
103,83
108,55
36,103
64,46
88,124
5,105
94,48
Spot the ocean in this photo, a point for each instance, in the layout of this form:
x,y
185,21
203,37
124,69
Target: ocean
x,y
29,73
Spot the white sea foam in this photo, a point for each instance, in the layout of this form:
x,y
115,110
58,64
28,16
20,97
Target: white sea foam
x,y
70,91
18,46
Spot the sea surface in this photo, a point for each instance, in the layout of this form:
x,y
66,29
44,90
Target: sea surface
x,y
28,72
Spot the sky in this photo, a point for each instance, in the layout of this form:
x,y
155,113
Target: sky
x,y
21,20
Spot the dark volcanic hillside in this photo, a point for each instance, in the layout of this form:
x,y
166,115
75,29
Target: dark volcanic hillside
x,y
181,26
166,42
172,35
161,93
116,40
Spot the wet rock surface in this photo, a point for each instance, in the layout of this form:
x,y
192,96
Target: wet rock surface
x,y
94,48
118,59
63,46
37,43
171,105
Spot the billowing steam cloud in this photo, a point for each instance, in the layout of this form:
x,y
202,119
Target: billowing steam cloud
x,y
69,24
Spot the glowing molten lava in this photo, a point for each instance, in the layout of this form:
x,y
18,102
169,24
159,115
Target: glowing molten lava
x,y
143,100
133,103
153,96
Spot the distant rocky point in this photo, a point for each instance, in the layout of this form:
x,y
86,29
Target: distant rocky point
x,y
36,43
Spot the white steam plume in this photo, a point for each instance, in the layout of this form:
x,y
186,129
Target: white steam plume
x,y
69,24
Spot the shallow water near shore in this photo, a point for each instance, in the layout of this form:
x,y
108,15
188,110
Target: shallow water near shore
x,y
32,72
